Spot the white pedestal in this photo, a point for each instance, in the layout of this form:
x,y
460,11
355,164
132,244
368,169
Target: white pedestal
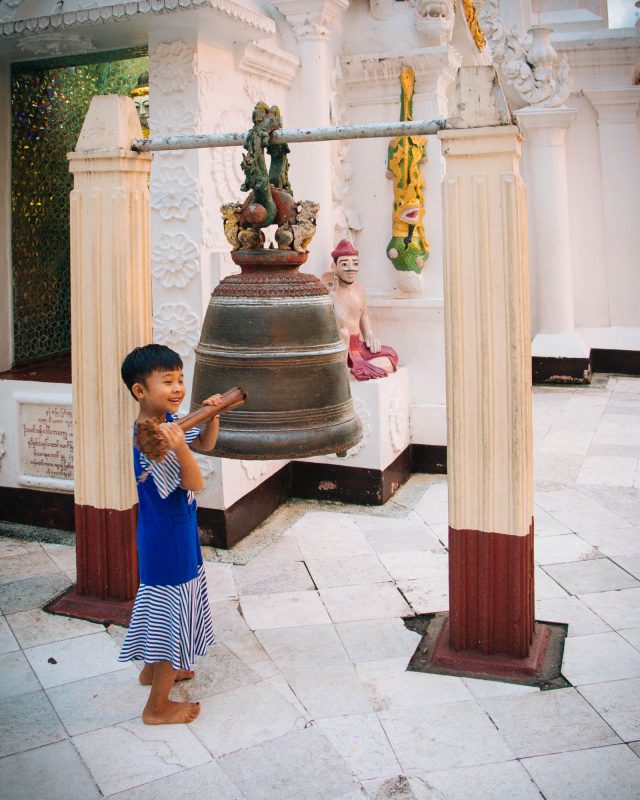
x,y
384,407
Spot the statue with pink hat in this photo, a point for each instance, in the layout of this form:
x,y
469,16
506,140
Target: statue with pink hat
x,y
366,357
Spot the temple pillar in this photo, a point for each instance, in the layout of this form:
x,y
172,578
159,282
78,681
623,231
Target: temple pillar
x,y
489,438
111,314
620,171
558,350
312,21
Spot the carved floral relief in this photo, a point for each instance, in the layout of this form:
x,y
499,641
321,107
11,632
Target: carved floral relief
x,y
175,260
176,326
174,192
172,67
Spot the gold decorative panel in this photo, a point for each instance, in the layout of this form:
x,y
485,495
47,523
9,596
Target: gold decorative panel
x,y
49,101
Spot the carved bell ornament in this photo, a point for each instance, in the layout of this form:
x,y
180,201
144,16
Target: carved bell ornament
x,y
271,329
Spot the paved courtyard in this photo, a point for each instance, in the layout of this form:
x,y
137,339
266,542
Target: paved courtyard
x,y
306,697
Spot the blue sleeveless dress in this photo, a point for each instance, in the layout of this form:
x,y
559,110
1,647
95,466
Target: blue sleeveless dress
x,y
171,618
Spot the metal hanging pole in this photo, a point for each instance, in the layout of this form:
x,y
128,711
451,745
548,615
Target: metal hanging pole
x,y
366,131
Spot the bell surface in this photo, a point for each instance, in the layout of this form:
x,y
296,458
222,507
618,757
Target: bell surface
x,y
272,331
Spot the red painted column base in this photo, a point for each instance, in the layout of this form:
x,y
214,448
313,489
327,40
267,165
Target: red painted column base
x,y
500,666
491,601
107,562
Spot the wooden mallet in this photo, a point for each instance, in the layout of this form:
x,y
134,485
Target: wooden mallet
x,y
152,442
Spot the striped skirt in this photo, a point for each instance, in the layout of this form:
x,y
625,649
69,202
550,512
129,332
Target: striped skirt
x,y
170,623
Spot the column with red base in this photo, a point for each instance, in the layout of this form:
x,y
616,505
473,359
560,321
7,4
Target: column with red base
x,y
111,314
491,627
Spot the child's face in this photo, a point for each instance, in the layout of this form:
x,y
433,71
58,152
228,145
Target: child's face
x,y
161,392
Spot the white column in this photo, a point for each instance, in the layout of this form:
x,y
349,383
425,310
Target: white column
x,y
620,168
544,131
312,21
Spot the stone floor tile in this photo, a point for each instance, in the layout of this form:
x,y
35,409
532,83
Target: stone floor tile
x,y
548,722
329,691
132,753
27,565
362,743
599,657
299,766
259,577
306,645
417,565
28,721
16,675
338,537
602,773
589,519
367,601
635,747
228,622
249,650
220,581
54,772
377,640
545,524
618,702
10,547
8,641
555,468
33,592
70,660
427,596
630,563
574,612
62,555
398,536
621,541
619,609
283,610
282,551
35,627
391,686
206,782
481,688
395,788
219,671
586,577
96,702
567,440
231,721
563,548
351,571
441,531
608,470
632,635
619,429
545,587
430,739
505,781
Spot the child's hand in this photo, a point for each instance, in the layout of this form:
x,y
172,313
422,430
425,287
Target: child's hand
x,y
213,400
173,435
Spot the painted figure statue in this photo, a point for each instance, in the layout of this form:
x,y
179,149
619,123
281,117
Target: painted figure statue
x,y
140,95
408,248
366,358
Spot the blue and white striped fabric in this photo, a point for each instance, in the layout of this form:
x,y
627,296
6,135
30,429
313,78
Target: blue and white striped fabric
x,y
170,623
166,473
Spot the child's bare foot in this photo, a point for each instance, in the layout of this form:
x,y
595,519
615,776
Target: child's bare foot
x,y
171,713
146,675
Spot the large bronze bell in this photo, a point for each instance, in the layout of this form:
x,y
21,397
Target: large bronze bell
x,y
272,331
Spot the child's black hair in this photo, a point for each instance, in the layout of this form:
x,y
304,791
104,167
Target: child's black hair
x,y
142,361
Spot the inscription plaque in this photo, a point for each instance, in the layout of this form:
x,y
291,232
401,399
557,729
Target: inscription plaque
x,y
47,440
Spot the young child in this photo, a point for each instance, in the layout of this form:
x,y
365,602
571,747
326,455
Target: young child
x,y
171,621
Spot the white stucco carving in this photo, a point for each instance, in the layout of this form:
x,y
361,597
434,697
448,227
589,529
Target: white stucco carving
x,y
365,418
346,219
8,9
175,260
254,470
55,44
399,422
2,447
530,69
176,326
226,172
205,463
172,66
174,192
270,63
434,20
174,120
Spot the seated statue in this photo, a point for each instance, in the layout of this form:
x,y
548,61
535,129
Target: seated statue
x,y
366,357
